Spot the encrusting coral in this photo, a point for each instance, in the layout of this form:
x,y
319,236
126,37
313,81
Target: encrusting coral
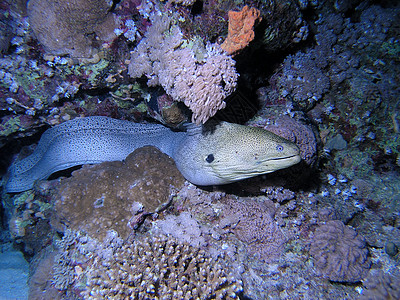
x,y
340,254
299,133
252,222
295,130
201,77
115,195
240,29
72,27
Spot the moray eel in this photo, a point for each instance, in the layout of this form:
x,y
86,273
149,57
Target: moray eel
x,y
205,156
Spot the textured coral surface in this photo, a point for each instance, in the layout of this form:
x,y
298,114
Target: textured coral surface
x,y
76,31
241,29
160,268
340,253
201,76
108,196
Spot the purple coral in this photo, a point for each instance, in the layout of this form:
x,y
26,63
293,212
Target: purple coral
x,y
303,78
279,193
339,252
252,222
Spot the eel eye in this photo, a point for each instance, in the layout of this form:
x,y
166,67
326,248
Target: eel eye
x,y
279,148
210,158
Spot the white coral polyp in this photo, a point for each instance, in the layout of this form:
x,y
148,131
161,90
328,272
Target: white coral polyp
x,y
202,86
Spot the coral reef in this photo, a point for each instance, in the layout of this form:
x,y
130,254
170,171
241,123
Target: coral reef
x,y
166,269
240,29
340,254
303,78
72,27
144,267
116,195
183,227
252,222
326,76
201,77
283,24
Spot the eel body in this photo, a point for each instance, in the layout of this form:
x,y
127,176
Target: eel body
x,y
224,154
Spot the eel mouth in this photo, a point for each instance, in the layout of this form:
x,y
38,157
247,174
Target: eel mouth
x,y
284,162
295,156
235,173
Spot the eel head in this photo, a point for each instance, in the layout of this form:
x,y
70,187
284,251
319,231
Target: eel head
x,y
231,152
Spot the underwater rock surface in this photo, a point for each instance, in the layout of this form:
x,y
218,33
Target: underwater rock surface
x,y
103,197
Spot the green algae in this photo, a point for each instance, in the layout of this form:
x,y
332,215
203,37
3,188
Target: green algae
x,y
11,126
23,198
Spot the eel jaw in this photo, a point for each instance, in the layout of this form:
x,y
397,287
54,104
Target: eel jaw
x,y
233,174
284,162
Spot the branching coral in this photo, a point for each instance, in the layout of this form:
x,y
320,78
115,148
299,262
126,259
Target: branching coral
x,y
71,27
160,268
240,29
201,77
145,268
340,254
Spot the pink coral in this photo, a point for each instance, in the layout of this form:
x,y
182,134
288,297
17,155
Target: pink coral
x,y
252,222
339,252
201,77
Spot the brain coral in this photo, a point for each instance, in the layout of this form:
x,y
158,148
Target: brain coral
x,y
102,197
71,27
160,268
339,253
